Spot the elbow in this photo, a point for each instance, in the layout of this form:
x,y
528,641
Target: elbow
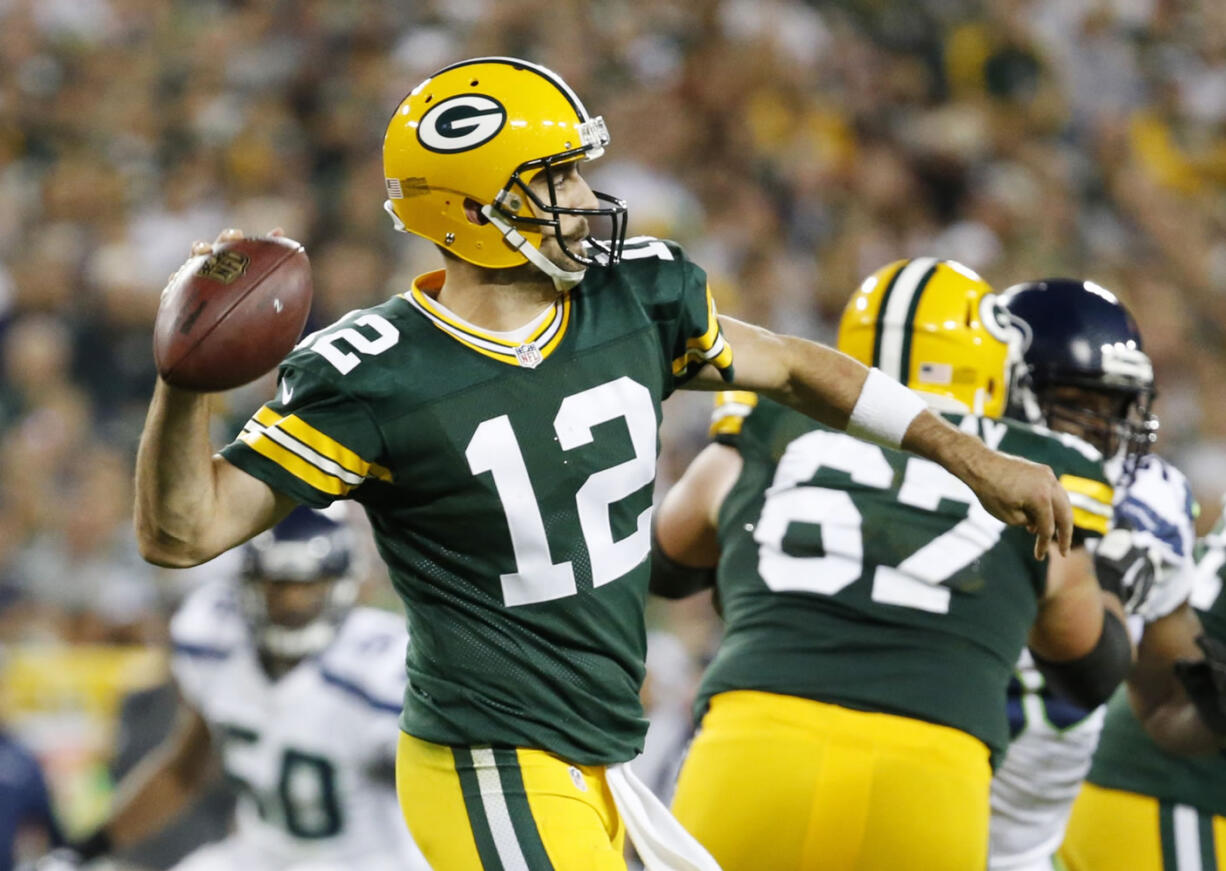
x,y
1091,679
161,548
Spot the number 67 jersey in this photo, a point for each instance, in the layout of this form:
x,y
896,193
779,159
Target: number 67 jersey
x,y
508,480
873,579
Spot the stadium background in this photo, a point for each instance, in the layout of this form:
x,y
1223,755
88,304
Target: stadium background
x,y
792,147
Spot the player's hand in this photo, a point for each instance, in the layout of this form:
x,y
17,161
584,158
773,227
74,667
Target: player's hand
x,y
1128,565
1023,493
1205,682
229,234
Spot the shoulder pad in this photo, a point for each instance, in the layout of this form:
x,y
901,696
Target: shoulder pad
x,y
1159,501
209,623
367,658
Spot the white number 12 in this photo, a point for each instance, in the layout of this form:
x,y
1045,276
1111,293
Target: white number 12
x,y
494,449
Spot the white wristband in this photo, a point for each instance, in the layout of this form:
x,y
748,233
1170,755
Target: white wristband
x,y
884,410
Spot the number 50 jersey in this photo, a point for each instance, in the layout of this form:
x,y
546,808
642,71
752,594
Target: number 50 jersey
x,y
508,480
869,578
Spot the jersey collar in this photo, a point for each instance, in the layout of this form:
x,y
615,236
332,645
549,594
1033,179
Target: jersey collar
x,y
528,353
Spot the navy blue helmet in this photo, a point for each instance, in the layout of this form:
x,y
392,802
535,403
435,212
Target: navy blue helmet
x,y
1079,335
307,547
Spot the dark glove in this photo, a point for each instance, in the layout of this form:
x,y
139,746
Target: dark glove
x,y
1205,682
1127,567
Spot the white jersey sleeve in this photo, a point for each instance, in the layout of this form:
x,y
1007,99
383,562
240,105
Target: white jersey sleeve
x,y
206,631
1159,506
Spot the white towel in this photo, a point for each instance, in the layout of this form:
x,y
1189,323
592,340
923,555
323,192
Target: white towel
x,y
662,843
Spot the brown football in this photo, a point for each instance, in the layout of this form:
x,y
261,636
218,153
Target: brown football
x,y
230,316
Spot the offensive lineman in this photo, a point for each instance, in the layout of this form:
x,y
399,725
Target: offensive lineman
x,y
1085,371
499,422
873,609
1147,805
298,693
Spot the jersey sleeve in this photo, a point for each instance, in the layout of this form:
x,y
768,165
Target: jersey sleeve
x,y
1079,467
1159,506
732,408
316,442
683,309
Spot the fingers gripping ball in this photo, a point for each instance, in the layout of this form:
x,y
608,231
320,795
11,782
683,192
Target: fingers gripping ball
x,y
228,317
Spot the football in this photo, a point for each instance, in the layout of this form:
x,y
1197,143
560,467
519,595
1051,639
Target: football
x,y
228,317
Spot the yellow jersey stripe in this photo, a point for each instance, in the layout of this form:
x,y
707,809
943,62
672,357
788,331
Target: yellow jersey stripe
x,y
1091,521
556,340
1096,490
707,339
265,416
332,449
549,332
731,409
710,347
295,465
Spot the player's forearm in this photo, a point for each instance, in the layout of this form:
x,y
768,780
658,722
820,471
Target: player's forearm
x,y
819,381
163,784
151,797
1173,722
175,484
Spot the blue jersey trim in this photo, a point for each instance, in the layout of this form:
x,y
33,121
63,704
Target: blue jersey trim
x,y
356,691
201,650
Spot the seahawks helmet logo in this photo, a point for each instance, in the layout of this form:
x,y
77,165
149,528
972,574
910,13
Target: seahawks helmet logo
x,y
461,123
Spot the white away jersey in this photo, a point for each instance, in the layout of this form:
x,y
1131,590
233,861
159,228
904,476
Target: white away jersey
x,y
1054,740
313,753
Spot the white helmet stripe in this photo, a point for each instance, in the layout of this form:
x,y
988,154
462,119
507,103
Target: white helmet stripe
x,y
893,328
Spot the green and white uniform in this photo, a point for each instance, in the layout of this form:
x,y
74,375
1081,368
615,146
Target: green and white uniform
x,y
874,579
509,485
1127,759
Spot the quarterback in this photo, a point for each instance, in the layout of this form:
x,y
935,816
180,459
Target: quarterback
x,y
297,692
873,609
499,421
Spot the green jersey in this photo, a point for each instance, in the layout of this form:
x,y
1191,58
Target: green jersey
x,y
508,482
870,578
1128,759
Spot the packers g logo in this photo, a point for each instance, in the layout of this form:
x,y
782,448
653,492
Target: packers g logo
x,y
461,123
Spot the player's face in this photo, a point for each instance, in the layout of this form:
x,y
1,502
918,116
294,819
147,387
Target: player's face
x,y
1086,414
294,604
571,191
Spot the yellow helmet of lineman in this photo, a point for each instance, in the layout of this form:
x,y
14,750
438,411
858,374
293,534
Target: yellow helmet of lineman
x,y
480,130
937,327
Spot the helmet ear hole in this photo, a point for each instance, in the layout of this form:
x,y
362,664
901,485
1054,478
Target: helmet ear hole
x,y
472,211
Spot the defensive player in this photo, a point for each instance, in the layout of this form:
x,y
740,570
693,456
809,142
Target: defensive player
x,y
1084,371
1147,806
873,608
498,421
298,693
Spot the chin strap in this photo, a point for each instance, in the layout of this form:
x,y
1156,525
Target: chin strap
x,y
563,279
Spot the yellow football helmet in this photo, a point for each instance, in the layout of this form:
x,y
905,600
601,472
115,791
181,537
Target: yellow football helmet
x,y
937,327
481,129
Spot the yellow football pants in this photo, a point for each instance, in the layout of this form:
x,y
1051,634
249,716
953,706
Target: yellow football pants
x,y
494,809
1111,830
788,784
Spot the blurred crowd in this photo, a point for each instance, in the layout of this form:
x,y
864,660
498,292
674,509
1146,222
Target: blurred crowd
x,y
793,147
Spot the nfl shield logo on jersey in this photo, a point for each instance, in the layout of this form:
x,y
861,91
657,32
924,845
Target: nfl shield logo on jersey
x,y
528,355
